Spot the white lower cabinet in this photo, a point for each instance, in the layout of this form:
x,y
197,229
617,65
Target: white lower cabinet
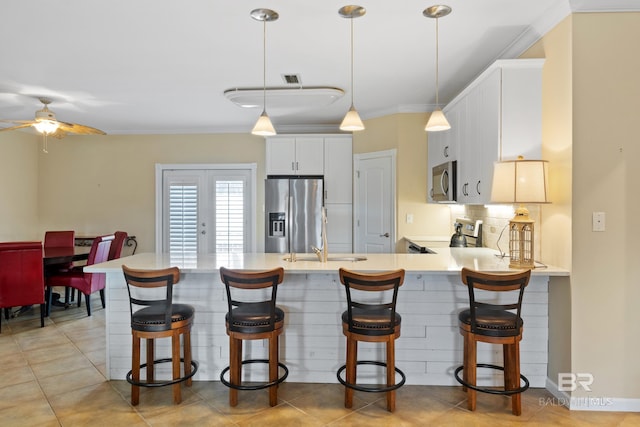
x,y
340,227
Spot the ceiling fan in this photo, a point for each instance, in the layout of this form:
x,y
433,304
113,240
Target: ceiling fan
x,y
45,122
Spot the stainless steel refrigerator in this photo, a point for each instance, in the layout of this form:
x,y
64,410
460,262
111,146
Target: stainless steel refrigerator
x,y
293,214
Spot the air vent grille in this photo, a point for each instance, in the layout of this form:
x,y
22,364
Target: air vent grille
x,y
292,79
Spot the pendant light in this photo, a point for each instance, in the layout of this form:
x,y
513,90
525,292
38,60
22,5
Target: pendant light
x,y
263,126
437,120
352,121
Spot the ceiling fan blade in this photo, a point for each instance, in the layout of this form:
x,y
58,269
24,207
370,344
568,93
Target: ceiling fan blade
x,y
18,121
59,133
24,125
79,129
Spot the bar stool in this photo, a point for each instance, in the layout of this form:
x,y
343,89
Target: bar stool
x,y
371,319
159,318
493,322
253,318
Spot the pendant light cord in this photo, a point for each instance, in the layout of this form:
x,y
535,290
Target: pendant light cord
x,y
264,66
352,61
437,61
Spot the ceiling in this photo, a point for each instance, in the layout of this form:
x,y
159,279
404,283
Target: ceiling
x,y
161,67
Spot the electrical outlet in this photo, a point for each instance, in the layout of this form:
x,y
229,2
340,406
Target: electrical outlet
x,y
409,218
598,221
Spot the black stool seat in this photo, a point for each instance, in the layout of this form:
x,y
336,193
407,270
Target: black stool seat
x,y
252,318
372,322
153,318
496,323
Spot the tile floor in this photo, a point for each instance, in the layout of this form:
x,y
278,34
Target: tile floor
x,y
54,376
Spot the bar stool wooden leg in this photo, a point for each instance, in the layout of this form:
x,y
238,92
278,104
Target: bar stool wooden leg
x,y
352,357
150,357
235,366
187,356
135,370
516,399
391,373
470,367
175,356
273,368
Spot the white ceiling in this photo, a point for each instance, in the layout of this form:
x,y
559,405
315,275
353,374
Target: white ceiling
x,y
160,66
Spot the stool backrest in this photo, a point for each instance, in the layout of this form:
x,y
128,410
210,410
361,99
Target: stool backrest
x,y
238,282
385,284
514,283
152,288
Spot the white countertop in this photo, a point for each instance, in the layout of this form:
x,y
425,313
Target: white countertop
x,y
445,261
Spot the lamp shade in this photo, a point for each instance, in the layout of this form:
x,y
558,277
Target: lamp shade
x,y
352,121
437,122
263,126
520,181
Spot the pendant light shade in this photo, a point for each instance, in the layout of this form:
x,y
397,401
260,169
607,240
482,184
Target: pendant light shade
x,y
263,126
437,121
352,121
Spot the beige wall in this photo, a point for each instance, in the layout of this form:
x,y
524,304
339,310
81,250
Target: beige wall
x,y
406,134
98,185
18,187
605,290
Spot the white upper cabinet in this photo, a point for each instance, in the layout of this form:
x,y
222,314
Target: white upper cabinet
x,y
497,117
295,155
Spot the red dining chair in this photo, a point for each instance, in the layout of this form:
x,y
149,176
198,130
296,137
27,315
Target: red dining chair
x,y
116,246
87,283
21,276
60,239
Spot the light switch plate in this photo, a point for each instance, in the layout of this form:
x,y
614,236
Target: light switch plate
x,y
598,221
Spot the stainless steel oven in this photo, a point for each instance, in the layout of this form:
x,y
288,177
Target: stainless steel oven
x,y
443,182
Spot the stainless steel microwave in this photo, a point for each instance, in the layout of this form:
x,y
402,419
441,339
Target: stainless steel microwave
x,y
443,182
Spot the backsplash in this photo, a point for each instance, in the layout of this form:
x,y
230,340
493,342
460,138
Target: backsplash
x,y
495,219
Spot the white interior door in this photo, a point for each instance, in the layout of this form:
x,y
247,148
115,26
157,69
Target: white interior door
x,y
374,208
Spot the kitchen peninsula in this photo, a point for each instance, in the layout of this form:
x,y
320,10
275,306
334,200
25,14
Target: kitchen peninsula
x,y
313,299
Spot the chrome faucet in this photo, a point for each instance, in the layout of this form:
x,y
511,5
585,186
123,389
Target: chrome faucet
x,y
323,254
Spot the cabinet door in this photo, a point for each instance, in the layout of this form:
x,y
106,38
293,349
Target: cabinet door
x,y
489,129
338,170
340,227
281,156
309,156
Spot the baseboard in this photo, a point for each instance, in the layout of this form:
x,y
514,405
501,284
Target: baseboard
x,y
589,403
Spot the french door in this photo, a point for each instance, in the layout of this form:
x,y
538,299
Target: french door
x,y
205,209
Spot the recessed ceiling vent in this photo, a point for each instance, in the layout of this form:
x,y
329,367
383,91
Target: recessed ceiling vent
x,y
292,79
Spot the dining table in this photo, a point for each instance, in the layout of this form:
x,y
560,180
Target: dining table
x,y
64,255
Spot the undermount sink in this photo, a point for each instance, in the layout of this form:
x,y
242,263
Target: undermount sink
x,y
331,258
347,258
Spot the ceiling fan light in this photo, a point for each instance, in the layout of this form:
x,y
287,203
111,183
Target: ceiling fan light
x,y
352,121
46,127
263,126
437,122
